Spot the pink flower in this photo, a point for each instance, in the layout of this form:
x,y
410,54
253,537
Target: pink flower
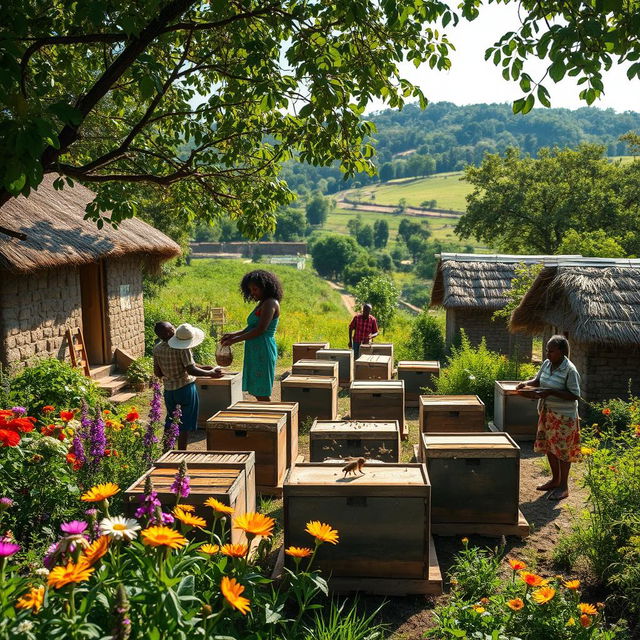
x,y
8,549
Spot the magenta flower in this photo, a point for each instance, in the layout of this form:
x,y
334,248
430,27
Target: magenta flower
x,y
7,549
19,411
74,528
181,483
5,503
167,518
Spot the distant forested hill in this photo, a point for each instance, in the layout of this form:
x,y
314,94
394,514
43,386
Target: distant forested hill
x,y
446,137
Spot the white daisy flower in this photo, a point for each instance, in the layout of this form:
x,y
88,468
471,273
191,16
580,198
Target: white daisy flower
x,y
43,572
119,528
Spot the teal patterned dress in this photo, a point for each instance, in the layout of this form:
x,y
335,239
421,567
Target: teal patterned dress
x,y
260,355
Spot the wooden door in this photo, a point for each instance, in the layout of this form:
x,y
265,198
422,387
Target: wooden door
x,y
94,313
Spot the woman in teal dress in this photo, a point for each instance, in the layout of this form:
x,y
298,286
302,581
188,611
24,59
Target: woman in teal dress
x,y
260,351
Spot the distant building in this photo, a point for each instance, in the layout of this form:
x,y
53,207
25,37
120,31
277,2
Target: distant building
x,y
595,303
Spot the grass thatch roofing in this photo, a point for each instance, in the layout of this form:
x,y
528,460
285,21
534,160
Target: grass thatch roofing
x,y
595,304
57,234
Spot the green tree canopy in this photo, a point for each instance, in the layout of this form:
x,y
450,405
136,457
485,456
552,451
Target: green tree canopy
x,y
317,210
598,244
382,295
380,233
364,236
332,253
291,225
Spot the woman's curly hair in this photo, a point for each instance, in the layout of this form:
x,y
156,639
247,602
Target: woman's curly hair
x,y
267,281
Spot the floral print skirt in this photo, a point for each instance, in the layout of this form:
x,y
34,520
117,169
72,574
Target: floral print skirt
x,y
559,436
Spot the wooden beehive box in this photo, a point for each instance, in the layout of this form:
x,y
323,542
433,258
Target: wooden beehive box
x,y
514,413
344,438
216,394
417,375
213,475
475,477
382,518
449,414
317,396
307,350
379,400
288,408
264,433
374,368
377,349
344,358
315,368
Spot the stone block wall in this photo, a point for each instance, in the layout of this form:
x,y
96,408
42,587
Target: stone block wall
x,y
125,311
478,324
35,310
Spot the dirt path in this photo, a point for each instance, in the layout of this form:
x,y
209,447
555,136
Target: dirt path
x,y
348,300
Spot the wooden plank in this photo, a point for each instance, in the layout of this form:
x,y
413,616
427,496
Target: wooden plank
x,y
521,529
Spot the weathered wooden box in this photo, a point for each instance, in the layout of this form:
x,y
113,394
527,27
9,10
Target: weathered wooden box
x,y
475,477
514,413
288,408
315,368
379,400
317,396
344,358
449,414
374,368
217,394
382,518
306,350
264,433
229,478
344,438
417,375
377,349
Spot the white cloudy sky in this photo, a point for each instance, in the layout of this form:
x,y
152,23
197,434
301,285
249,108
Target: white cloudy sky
x,y
472,80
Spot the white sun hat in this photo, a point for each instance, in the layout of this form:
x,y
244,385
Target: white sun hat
x,y
186,336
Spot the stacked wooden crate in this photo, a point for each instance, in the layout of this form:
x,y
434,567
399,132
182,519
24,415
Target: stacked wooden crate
x,y
315,368
216,394
317,396
448,414
375,400
344,358
307,350
369,367
377,349
417,375
513,413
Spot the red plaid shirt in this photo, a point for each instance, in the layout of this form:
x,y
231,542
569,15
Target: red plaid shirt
x,y
364,327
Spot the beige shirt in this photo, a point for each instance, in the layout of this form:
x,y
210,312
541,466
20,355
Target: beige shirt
x,y
173,364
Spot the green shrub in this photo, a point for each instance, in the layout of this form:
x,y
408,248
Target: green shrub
x,y
618,415
140,371
339,623
474,370
426,341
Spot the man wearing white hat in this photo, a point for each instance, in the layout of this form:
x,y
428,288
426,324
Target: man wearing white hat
x,y
173,362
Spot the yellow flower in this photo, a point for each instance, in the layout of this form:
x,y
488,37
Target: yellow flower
x,y
516,604
570,622
32,600
255,524
585,620
96,550
188,518
234,550
100,492
587,451
543,595
232,590
572,584
209,549
163,537
218,506
478,609
322,532
298,552
587,608
189,508
61,576
465,540
517,565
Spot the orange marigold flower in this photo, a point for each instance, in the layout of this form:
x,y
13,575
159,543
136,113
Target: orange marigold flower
x,y
218,506
517,565
234,550
322,532
516,604
72,459
189,508
232,590
532,579
61,576
484,600
255,524
543,595
585,620
209,549
298,552
67,415
188,518
572,584
587,608
48,408
33,600
132,416
96,550
606,411
163,537
100,492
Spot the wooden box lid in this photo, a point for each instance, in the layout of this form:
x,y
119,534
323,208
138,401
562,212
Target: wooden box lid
x,y
329,365
508,387
327,479
374,360
321,345
419,365
203,459
355,429
334,352
227,377
451,403
248,420
469,445
209,481
268,407
316,382
376,386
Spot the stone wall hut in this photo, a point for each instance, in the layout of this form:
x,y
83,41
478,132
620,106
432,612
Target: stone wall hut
x,y
69,274
471,288
595,303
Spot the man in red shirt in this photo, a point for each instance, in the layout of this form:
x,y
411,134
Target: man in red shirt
x,y
363,329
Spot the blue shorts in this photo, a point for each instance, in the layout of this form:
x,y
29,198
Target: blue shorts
x,y
187,398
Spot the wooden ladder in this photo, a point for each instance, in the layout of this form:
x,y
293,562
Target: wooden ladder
x,y
77,350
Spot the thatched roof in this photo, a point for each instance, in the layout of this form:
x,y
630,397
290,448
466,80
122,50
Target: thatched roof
x,y
477,281
57,234
595,303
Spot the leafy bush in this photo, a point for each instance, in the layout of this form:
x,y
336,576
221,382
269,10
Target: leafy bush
x,y
426,341
140,371
616,413
382,295
474,370
52,382
475,572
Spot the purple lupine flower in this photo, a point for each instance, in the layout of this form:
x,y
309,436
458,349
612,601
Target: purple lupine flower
x,y
49,559
155,414
5,503
85,421
19,411
167,518
148,505
94,525
97,439
8,549
171,434
74,528
181,482
77,448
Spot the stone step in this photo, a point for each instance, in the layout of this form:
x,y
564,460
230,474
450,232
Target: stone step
x,y
111,385
101,371
122,397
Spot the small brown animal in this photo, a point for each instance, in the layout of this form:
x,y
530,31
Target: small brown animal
x,y
354,466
